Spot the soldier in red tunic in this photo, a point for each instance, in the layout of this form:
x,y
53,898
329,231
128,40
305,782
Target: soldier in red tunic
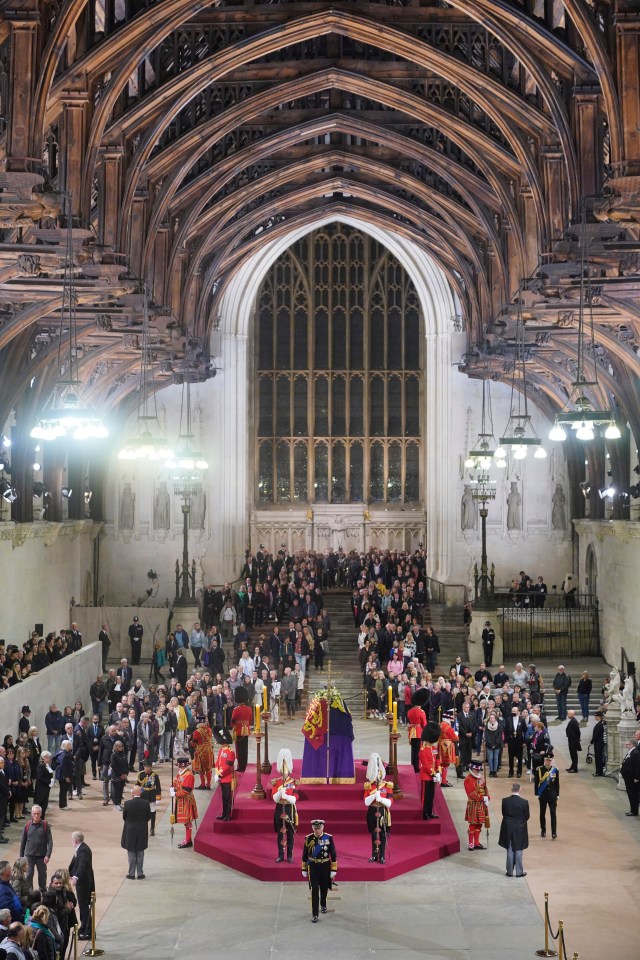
x,y
447,745
378,797
417,721
477,803
225,776
202,745
429,764
183,801
241,720
285,796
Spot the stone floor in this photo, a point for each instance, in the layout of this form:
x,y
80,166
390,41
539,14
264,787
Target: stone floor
x,y
463,908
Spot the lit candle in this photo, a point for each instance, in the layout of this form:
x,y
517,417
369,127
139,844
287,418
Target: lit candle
x,y
395,717
257,730
389,698
264,699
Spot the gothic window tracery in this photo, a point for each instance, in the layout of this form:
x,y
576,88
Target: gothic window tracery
x,y
337,387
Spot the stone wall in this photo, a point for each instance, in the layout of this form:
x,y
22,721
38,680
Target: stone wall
x,y
608,564
43,566
61,683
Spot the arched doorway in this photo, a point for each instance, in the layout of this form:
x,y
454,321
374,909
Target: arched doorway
x,y
591,572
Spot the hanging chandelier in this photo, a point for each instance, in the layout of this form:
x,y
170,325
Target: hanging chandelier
x,y
519,434
148,443
482,456
188,463
579,412
67,413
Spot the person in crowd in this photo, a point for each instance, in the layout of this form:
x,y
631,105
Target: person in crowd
x,y
13,943
9,899
64,772
573,740
585,686
118,770
37,845
561,685
598,743
82,878
44,941
20,880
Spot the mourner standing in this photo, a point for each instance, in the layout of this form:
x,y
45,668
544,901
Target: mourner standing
x,y
319,866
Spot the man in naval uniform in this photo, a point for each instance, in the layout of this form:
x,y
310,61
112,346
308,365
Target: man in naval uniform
x,y
319,866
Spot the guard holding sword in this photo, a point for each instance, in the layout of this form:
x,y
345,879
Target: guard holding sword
x,y
285,797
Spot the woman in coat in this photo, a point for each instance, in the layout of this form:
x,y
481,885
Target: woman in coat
x,y
42,788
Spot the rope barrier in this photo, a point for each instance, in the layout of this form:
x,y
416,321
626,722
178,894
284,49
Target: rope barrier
x,y
562,953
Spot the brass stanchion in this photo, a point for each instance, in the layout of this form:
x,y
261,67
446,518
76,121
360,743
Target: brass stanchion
x,y
546,952
364,705
266,763
92,951
258,791
397,792
560,940
75,942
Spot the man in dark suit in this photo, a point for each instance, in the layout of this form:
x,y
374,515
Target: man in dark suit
x,y
180,667
466,732
135,833
514,833
136,632
126,676
598,741
81,870
630,771
514,732
95,733
573,741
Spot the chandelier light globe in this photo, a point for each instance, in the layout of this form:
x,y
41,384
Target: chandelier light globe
x,y
584,431
540,454
469,463
557,433
519,452
501,464
500,454
612,432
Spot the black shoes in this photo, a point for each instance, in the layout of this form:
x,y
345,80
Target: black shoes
x,y
571,770
323,909
631,814
520,874
314,919
289,859
129,876
543,833
280,859
554,836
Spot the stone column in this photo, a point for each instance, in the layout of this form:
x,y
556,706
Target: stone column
x,y
585,124
232,429
439,461
109,194
22,73
160,249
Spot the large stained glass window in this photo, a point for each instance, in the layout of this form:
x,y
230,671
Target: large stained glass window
x,y
337,387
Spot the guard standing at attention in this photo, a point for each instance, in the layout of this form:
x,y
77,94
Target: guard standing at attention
x,y
319,866
416,722
135,631
285,815
149,782
378,797
241,720
429,764
477,803
225,776
184,806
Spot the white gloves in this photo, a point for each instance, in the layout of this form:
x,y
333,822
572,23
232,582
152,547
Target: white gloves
x,y
332,874
438,778
304,876
172,792
486,801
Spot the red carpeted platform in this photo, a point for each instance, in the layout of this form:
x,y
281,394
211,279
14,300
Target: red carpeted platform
x,y
248,842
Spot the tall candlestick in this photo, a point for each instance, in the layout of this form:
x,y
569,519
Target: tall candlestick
x,y
264,699
389,698
395,717
257,730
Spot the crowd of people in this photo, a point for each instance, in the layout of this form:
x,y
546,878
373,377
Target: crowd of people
x,y
256,652
17,664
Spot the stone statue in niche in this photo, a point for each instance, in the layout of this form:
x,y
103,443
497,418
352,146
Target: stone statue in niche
x,y
514,508
127,507
468,510
558,514
198,509
162,508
